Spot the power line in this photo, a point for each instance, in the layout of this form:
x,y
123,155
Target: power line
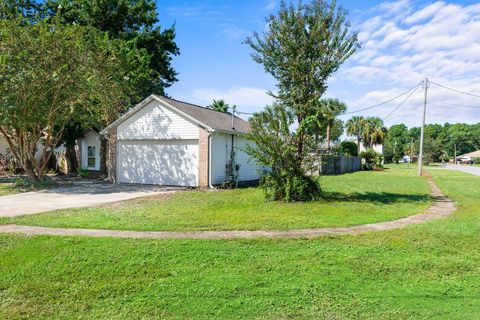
x,y
402,103
250,113
385,102
457,105
455,90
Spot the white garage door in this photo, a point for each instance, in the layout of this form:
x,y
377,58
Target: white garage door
x,y
166,162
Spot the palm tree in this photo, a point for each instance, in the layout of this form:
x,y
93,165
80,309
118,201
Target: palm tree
x,y
355,127
330,109
219,105
374,132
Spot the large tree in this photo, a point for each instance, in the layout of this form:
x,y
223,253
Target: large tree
x,y
53,75
133,22
301,48
130,20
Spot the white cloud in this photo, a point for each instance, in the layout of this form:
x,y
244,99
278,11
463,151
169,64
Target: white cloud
x,y
402,44
247,99
270,5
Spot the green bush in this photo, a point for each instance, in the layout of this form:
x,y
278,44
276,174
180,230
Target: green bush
x,y
349,148
82,173
371,159
26,184
285,187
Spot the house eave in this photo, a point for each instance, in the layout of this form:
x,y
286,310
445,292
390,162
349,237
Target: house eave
x,y
145,102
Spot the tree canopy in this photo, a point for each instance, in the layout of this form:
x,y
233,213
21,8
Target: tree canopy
x,y
52,75
302,47
441,141
219,105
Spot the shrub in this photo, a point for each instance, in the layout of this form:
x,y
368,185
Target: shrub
x,y
275,147
286,187
349,148
9,165
371,159
82,173
26,184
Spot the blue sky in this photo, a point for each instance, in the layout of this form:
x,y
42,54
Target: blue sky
x,y
402,42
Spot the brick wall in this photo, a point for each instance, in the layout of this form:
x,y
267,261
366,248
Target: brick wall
x,y
203,152
112,155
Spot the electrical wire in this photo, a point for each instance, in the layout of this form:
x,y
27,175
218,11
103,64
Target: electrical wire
x,y
402,103
456,105
385,102
455,90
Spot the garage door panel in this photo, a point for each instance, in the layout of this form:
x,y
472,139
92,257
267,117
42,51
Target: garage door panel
x,y
165,162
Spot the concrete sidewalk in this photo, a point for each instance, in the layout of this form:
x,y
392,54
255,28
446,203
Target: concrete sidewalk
x,y
76,196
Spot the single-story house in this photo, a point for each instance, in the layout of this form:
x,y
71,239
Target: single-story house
x,y
162,141
468,158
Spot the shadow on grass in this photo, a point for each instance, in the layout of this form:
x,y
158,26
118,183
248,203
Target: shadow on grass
x,y
375,197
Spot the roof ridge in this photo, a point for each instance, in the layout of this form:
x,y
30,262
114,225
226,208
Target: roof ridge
x,y
197,106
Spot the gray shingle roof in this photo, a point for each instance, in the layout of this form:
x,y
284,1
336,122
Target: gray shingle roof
x,y
214,119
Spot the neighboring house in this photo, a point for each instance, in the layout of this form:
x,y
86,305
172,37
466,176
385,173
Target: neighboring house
x,y
88,151
88,147
468,158
168,142
377,147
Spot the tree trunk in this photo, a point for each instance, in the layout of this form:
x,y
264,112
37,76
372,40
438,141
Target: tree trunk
x,y
103,156
328,136
71,158
358,145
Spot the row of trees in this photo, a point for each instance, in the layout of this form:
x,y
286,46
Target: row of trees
x,y
441,141
67,66
368,131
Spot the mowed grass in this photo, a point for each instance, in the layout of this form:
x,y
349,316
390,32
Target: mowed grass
x,y
6,188
351,199
427,271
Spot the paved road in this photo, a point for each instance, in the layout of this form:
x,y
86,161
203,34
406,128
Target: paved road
x,y
467,169
87,194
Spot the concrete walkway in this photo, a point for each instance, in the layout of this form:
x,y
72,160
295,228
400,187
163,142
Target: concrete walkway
x,y
464,168
78,195
441,208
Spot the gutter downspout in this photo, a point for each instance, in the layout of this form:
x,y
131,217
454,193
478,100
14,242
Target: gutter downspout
x,y
210,161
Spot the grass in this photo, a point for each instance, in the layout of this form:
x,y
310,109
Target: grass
x,y
427,271
17,185
6,187
353,199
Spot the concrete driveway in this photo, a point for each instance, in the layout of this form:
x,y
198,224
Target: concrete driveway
x,y
77,195
464,168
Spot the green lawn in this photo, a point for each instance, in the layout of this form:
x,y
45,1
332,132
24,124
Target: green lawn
x,y
352,199
6,188
427,271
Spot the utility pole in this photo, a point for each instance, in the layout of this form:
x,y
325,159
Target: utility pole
x,y
234,109
422,135
455,158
